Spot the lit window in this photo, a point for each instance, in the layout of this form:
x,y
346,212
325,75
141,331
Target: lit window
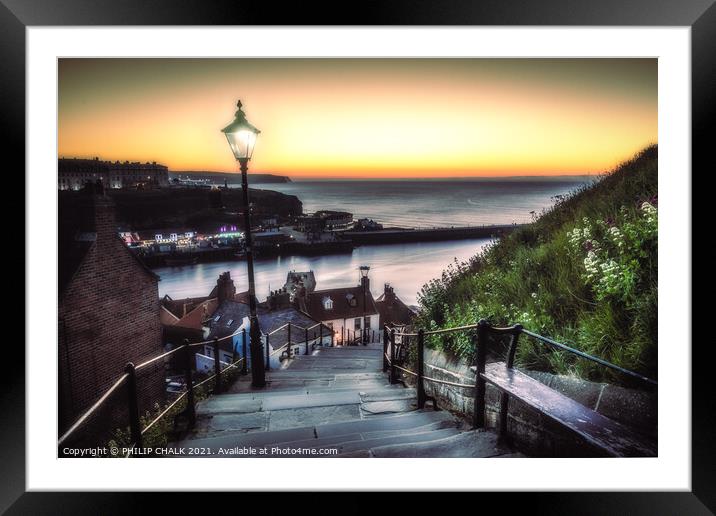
x,y
231,321
216,319
327,303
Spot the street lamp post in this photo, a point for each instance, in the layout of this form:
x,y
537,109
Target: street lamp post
x,y
364,283
241,136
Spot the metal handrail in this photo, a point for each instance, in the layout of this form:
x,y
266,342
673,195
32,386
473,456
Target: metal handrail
x,y
483,329
450,330
94,407
279,329
517,329
150,425
429,378
413,373
285,344
168,408
81,420
587,356
152,360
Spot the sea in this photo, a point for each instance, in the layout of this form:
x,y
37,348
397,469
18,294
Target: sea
x,y
393,203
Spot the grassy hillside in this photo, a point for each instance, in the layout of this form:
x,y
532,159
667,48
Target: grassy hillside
x,y
584,273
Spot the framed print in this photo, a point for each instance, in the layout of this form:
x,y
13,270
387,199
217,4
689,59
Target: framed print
x,y
384,256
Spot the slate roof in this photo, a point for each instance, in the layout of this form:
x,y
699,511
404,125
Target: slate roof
x,y
341,306
76,235
269,320
393,311
227,312
195,318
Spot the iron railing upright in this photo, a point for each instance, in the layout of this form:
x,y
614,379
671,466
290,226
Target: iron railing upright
x,y
480,334
128,379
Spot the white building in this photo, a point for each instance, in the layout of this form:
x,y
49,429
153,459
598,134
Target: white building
x,y
348,311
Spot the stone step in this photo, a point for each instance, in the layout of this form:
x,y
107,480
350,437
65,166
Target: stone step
x,y
264,401
253,430
356,445
474,443
350,442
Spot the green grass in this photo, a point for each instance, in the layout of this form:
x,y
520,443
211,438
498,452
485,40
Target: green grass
x,y
584,273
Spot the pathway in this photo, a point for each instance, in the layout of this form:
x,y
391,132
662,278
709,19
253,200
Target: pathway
x,y
335,402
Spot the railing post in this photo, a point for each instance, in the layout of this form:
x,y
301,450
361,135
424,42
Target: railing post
x,y
132,406
343,333
189,381
288,354
244,365
333,342
393,371
268,355
385,349
320,334
421,369
478,417
306,331
217,367
504,397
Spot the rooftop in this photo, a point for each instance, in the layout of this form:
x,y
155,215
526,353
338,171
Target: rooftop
x,y
342,307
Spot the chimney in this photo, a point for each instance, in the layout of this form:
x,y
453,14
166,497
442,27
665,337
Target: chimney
x,y
278,299
225,289
365,283
102,214
388,294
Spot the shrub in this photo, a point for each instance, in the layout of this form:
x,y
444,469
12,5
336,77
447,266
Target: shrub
x,y
584,273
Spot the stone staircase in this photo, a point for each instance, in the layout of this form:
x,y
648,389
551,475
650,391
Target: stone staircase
x,y
336,402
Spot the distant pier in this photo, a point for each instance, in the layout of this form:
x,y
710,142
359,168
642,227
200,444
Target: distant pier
x,y
403,235
345,243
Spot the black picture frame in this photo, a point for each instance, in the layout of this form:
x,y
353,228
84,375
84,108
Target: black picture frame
x,y
700,15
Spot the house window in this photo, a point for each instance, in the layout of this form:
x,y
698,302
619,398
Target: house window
x,y
367,322
327,303
158,236
357,323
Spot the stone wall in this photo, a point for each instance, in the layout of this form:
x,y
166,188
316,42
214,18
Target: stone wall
x,y
530,431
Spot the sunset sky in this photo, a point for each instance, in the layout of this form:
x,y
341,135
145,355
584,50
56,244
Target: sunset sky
x,y
363,117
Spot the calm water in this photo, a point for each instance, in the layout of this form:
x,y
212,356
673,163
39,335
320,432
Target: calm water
x,y
407,267
429,203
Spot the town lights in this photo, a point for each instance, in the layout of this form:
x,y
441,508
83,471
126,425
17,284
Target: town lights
x,y
241,136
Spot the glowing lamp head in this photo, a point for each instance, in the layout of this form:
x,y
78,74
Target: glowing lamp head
x,y
241,135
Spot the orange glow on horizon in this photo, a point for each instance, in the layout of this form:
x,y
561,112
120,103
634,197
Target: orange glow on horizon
x,y
363,118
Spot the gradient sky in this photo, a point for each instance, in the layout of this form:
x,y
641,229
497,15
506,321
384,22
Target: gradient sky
x,y
363,117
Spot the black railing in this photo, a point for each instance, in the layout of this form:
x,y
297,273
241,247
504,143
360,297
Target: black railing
x,y
395,351
312,337
128,380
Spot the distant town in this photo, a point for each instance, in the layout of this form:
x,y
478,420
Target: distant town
x,y
219,235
